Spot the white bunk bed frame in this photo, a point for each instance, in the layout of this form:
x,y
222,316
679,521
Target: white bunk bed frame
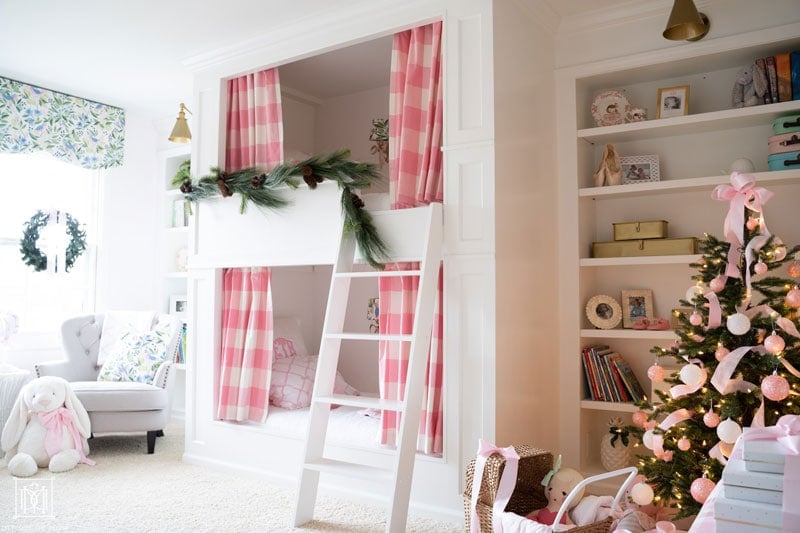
x,y
307,234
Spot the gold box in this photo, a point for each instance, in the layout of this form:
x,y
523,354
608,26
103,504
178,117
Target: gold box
x,y
679,246
633,231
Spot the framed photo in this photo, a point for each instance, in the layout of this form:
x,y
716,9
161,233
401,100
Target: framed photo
x,y
673,101
180,214
178,306
639,168
635,304
603,311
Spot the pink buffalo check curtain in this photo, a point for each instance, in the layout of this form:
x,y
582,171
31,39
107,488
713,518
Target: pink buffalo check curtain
x,y
415,177
254,139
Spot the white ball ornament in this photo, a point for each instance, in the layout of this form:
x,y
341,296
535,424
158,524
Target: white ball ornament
x,y
738,324
692,375
728,431
693,292
647,439
642,494
779,254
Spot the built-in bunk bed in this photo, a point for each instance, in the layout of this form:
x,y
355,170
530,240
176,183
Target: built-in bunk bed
x,y
298,242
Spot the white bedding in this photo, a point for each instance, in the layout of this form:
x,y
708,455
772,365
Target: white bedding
x,y
346,426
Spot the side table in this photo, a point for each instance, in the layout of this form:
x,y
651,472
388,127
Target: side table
x,y
12,380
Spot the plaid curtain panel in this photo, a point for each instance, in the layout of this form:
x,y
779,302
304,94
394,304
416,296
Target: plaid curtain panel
x,y
246,344
415,117
415,178
254,139
255,121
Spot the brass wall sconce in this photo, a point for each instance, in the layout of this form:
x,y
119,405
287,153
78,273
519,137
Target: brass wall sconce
x,y
180,132
686,23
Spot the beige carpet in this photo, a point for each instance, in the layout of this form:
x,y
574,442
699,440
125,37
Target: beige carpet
x,y
130,491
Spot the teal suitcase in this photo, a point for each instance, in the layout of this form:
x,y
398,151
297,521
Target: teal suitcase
x,y
785,161
787,124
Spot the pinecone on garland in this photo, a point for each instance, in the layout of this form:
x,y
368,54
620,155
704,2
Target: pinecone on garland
x,y
357,201
309,177
186,187
258,181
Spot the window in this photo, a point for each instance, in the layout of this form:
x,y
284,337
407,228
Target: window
x,y
32,182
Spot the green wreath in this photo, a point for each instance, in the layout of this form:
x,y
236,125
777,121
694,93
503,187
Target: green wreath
x,y
32,256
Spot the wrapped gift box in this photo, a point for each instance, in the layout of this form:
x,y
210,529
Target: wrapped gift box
x,y
737,475
732,526
749,513
734,492
763,456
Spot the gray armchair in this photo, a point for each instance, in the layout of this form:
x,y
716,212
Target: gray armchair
x,y
114,406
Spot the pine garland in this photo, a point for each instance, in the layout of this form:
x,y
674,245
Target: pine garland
x,y
263,189
33,256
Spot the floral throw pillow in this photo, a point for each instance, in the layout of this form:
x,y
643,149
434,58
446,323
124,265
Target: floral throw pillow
x,y
136,357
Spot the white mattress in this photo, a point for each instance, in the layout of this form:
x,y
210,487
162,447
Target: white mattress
x,y
346,426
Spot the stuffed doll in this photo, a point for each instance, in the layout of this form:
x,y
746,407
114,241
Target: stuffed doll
x,y
48,427
559,482
750,86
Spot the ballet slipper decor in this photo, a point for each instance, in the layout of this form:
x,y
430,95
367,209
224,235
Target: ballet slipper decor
x,y
609,172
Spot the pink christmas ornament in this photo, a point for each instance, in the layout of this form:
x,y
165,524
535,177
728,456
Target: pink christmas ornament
x,y
720,353
775,388
656,373
752,223
793,269
774,344
695,318
717,284
711,419
760,268
701,488
650,424
684,444
779,254
639,418
793,298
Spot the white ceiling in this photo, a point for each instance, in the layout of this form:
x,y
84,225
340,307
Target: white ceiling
x,y
132,54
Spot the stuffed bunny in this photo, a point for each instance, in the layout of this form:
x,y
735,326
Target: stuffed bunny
x,y
48,426
750,86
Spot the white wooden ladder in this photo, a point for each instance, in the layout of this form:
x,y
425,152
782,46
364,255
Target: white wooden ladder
x,y
411,235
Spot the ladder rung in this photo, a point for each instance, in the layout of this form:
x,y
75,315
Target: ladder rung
x,y
369,337
367,402
342,468
379,274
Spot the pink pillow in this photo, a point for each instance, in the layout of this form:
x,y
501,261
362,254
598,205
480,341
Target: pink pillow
x,y
293,381
282,348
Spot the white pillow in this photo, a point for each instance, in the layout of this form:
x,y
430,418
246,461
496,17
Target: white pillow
x,y
288,328
292,382
137,356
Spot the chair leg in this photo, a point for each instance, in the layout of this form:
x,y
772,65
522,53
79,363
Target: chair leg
x,y
151,441
160,433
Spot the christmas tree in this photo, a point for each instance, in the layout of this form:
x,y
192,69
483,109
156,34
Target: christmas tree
x,y
739,348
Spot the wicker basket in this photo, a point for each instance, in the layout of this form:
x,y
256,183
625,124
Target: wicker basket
x,y
528,494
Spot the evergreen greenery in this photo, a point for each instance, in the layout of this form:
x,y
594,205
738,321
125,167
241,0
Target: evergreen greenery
x,y
265,190
672,479
33,256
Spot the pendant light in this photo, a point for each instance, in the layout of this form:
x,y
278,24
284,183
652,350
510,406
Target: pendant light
x,y
180,133
686,23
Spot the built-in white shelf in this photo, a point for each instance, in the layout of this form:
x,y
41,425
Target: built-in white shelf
x,y
618,333
622,407
642,260
684,185
700,123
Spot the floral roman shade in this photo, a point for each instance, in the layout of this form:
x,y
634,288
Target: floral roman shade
x,y
86,133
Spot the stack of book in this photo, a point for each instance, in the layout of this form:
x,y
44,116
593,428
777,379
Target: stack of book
x,y
783,76
609,378
180,353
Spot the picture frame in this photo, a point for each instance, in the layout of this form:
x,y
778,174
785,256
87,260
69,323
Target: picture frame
x,y
180,214
673,101
603,311
178,306
636,303
639,169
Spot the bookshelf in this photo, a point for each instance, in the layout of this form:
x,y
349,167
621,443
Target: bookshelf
x,y
693,151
